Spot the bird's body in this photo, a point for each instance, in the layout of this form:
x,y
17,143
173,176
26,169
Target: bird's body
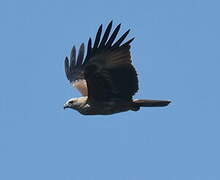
x,y
105,77
87,107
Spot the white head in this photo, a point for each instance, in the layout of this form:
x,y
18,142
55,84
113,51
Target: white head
x,y
75,103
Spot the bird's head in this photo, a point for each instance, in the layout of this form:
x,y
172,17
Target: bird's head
x,y
71,103
75,103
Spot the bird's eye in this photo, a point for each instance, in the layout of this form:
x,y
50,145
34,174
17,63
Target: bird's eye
x,y
70,102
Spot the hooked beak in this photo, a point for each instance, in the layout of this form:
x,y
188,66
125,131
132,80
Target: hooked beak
x,y
65,106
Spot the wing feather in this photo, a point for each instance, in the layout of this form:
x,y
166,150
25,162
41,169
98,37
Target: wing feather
x,y
74,70
113,36
98,36
80,55
89,51
106,72
73,56
66,66
106,34
118,42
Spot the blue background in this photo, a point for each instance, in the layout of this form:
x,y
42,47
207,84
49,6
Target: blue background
x,y
176,53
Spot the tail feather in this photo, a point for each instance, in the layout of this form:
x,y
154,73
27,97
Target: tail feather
x,y
151,103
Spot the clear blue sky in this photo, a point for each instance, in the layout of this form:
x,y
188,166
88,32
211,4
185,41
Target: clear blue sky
x,y
176,53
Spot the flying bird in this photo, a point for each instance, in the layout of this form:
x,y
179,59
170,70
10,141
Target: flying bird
x,y
105,76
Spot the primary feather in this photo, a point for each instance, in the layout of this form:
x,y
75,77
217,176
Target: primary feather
x,y
105,69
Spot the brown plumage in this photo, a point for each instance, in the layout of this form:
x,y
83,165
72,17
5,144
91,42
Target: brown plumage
x,y
105,77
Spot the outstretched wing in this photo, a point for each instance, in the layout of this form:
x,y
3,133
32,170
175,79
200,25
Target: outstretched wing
x,y
107,67
75,71
108,70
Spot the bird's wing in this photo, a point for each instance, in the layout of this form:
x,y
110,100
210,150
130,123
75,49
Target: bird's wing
x,y
108,70
107,67
75,71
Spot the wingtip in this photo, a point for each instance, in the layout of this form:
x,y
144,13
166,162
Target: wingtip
x,y
128,42
111,22
80,54
100,29
82,46
131,40
66,67
66,62
73,50
109,26
89,45
118,26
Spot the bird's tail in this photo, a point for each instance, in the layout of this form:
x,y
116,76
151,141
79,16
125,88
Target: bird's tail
x,y
150,103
